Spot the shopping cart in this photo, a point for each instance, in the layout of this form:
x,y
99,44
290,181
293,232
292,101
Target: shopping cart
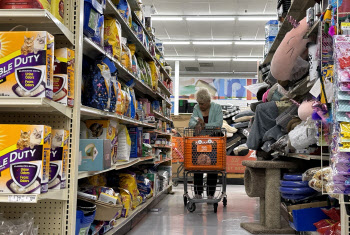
x,y
205,152
178,157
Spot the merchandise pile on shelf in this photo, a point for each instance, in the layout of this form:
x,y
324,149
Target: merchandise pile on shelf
x,y
302,112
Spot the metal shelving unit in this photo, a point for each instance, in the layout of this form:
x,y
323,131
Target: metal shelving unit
x,y
60,205
309,157
161,116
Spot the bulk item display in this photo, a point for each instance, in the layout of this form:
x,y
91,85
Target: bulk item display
x,y
26,68
25,159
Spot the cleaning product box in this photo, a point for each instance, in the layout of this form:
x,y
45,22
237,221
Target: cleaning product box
x,y
96,154
58,159
20,4
26,64
24,158
63,78
103,129
57,9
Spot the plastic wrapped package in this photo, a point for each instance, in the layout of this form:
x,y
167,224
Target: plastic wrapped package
x,y
120,100
22,226
124,144
303,135
345,129
126,56
343,95
128,181
307,175
127,202
112,38
154,75
124,9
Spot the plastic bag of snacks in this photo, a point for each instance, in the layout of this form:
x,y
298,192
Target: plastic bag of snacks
x,y
112,38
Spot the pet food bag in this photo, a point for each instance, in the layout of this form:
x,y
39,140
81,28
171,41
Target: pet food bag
x,y
24,158
57,9
124,9
124,144
26,64
93,12
112,37
21,4
154,75
120,100
126,55
58,159
63,78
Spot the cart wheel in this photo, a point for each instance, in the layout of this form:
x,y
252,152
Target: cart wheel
x,y
191,207
185,200
175,183
224,201
215,207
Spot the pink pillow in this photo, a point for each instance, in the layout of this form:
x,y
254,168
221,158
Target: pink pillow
x,y
305,110
292,46
264,98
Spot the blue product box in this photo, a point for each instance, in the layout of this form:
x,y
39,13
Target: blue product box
x,y
133,133
271,28
304,219
96,154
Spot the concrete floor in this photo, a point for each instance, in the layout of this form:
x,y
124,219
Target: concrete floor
x,y
174,219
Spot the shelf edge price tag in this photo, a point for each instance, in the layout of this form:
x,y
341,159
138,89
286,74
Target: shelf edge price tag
x,y
22,198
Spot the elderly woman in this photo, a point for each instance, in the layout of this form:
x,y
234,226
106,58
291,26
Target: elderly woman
x,y
205,114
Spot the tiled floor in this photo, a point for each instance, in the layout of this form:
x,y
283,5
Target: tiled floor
x,y
174,219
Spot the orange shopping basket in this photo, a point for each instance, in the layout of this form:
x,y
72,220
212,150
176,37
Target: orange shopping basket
x,y
177,149
205,151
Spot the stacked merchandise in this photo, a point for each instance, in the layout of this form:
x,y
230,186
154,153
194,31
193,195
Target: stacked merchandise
x,y
271,31
117,193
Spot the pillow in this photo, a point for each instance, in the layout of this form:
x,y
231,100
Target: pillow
x,y
305,110
245,113
291,47
243,119
241,125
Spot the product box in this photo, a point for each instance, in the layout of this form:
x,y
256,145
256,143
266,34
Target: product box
x,y
57,9
58,159
96,154
103,129
63,78
20,4
26,64
24,158
136,136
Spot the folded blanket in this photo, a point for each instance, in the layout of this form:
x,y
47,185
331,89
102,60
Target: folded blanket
x,y
245,113
243,119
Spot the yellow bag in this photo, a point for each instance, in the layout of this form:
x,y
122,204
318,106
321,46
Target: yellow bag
x,y
120,100
126,58
112,37
128,182
154,74
126,200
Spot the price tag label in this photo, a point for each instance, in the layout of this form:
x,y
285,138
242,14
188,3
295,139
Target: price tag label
x,y
22,198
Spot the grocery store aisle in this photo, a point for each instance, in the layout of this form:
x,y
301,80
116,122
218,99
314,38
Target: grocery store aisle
x,y
174,219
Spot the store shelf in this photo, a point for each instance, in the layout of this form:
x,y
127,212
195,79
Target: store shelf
x,y
309,157
164,88
118,166
34,198
162,161
312,30
93,51
161,146
127,32
134,5
298,11
162,69
138,21
34,20
160,116
162,133
133,213
88,112
168,103
33,105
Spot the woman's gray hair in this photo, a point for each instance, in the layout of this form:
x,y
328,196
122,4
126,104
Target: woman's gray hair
x,y
203,95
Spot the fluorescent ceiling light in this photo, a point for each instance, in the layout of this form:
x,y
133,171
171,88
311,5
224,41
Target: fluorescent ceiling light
x,y
256,18
177,43
166,18
213,18
246,59
180,58
250,43
214,59
211,43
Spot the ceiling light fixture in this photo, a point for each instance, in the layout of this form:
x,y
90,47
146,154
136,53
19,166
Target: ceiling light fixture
x,y
211,43
256,18
214,59
180,58
246,59
177,43
250,43
166,18
213,18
